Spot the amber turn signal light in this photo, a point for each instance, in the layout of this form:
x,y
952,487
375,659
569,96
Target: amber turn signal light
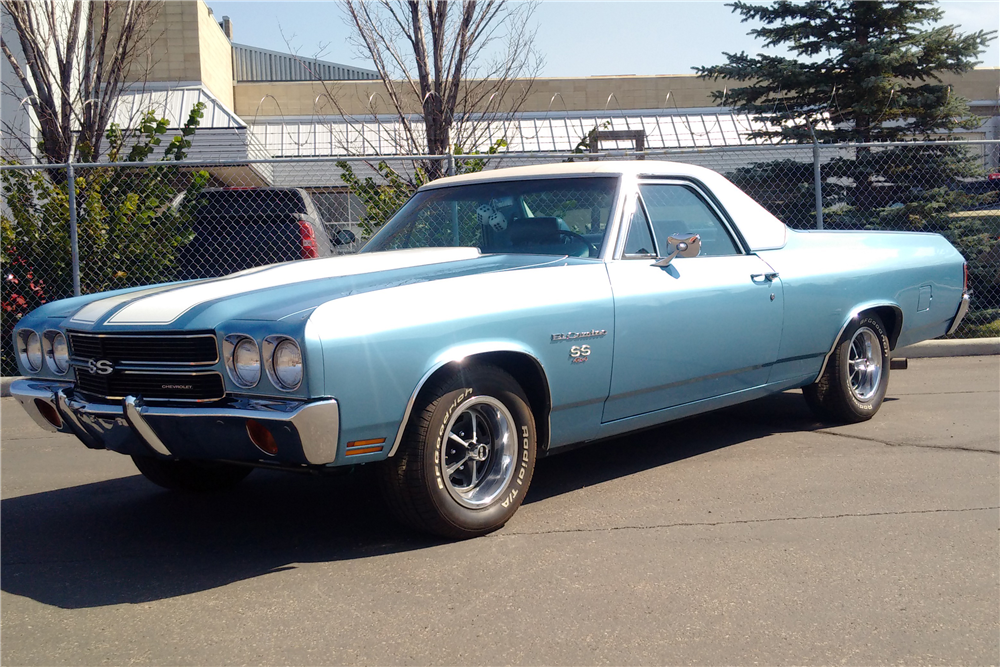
x,y
261,436
365,446
49,412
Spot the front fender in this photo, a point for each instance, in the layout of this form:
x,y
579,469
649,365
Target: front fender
x,y
458,354
379,347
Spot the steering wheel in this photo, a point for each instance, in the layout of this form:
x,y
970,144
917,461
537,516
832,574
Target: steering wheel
x,y
571,237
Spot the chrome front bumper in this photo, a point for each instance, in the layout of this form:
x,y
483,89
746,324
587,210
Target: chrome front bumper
x,y
306,433
963,308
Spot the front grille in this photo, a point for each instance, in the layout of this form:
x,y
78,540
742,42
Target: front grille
x,y
152,385
154,366
163,349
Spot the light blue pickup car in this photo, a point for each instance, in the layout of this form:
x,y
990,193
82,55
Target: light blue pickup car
x,y
498,317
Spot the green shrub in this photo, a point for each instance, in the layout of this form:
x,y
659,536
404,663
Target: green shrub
x,y
128,231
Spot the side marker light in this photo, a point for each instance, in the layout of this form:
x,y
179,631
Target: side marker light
x,y
357,447
261,436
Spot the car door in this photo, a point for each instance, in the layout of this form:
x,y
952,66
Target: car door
x,y
698,328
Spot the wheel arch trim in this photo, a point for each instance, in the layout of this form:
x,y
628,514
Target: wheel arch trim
x,y
461,353
857,311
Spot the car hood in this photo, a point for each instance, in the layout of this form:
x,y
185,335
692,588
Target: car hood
x,y
281,291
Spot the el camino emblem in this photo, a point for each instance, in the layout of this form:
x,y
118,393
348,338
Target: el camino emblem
x,y
100,367
576,335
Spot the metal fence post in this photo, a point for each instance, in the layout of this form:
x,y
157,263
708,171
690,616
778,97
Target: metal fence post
x,y
817,181
74,240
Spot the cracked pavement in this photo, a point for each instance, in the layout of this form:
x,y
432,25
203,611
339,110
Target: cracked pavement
x,y
751,535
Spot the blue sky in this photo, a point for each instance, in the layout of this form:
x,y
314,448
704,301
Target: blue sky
x,y
576,38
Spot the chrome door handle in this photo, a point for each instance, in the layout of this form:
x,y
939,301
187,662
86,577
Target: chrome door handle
x,y
769,277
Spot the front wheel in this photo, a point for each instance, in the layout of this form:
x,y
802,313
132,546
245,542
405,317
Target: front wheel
x,y
201,476
467,455
854,383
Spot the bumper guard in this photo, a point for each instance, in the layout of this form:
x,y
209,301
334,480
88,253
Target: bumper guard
x,y
54,407
963,308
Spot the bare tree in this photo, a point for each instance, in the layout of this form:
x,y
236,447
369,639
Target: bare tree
x,y
78,57
458,66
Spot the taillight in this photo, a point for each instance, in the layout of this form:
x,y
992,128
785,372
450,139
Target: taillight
x,y
307,235
965,277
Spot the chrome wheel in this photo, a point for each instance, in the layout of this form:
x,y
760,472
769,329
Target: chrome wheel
x,y
467,455
864,364
478,451
853,384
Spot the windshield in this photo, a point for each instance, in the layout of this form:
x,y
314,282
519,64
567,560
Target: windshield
x,y
565,216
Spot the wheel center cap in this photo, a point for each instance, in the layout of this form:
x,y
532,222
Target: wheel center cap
x,y
479,452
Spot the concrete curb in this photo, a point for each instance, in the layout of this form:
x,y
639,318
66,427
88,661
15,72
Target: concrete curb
x,y
968,347
929,348
5,385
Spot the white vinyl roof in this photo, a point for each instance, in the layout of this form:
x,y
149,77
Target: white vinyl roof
x,y
759,227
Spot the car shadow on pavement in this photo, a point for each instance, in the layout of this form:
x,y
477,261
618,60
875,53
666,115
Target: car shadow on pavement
x,y
125,541
661,445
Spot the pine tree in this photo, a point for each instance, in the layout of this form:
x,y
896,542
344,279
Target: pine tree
x,y
862,72
865,71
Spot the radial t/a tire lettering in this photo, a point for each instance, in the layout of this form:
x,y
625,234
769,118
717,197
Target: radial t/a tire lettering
x,y
467,455
856,377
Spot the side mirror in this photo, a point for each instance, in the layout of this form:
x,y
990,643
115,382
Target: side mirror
x,y
685,246
340,236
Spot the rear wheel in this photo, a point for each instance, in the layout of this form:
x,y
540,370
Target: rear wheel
x,y
855,380
467,455
201,476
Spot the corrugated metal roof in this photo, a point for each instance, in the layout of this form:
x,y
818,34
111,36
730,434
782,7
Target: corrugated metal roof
x,y
255,64
331,136
221,135
175,105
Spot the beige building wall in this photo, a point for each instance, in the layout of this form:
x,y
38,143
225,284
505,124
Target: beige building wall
x,y
216,59
185,45
172,49
980,85
682,91
298,98
305,98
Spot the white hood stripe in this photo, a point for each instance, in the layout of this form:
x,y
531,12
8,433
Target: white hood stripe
x,y
167,307
95,310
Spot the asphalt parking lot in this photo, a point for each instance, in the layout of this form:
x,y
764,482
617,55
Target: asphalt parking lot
x,y
750,536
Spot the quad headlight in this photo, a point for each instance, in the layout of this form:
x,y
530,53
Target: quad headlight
x,y
280,356
29,349
284,362
56,351
242,360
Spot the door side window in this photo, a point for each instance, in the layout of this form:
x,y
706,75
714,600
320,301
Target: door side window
x,y
677,210
639,242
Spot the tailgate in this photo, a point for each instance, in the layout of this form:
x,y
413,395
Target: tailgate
x,y
224,244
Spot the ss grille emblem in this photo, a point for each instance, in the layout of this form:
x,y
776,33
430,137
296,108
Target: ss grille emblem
x,y
100,367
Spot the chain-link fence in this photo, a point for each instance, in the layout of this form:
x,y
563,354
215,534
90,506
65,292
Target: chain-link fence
x,y
132,224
